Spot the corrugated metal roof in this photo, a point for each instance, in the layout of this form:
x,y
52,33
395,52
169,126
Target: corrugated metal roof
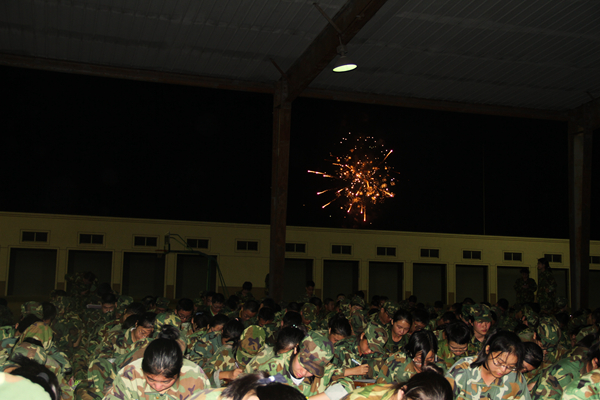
x,y
541,54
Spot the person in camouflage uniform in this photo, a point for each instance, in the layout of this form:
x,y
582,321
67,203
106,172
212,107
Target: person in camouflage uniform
x,y
159,375
223,363
384,317
480,318
399,331
246,293
247,314
587,387
360,356
546,292
556,378
454,347
402,365
548,337
493,374
309,369
525,287
357,316
309,293
309,316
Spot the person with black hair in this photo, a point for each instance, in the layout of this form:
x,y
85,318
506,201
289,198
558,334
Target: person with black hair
x,y
553,380
266,320
533,355
246,293
161,373
287,340
206,342
39,382
402,322
223,364
493,373
309,292
430,384
246,314
184,309
586,386
420,350
420,320
338,329
216,304
454,346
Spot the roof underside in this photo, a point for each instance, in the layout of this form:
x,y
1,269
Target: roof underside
x,y
541,54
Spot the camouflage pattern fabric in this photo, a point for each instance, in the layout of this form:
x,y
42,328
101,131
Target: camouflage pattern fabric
x,y
446,358
261,358
525,290
548,333
346,356
585,388
222,360
162,302
7,332
123,302
205,347
588,330
393,347
358,321
546,290
270,333
373,392
252,342
38,331
398,367
21,389
467,383
315,352
244,297
309,313
554,379
32,307
193,338
474,347
280,364
131,384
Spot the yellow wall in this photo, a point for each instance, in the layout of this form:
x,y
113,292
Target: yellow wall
x,y
240,266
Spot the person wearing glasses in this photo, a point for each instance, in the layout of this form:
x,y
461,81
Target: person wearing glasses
x,y
494,373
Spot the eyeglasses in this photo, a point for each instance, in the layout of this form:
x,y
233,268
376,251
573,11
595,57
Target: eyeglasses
x,y
417,361
499,364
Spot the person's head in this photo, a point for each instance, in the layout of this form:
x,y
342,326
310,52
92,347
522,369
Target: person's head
x,y
387,311
501,354
135,308
311,357
532,357
422,347
144,325
502,303
430,384
49,311
200,320
420,320
372,340
217,323
37,373
458,336
291,318
218,302
401,322
293,306
288,339
162,363
232,331
109,302
247,287
480,318
308,312
249,310
27,322
260,386
266,315
525,272
329,304
543,264
339,328
185,309
447,318
310,287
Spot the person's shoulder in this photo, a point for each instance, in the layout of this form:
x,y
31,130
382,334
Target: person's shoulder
x,y
207,394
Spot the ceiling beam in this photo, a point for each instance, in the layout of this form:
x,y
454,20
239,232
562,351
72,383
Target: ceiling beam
x,y
267,88
350,19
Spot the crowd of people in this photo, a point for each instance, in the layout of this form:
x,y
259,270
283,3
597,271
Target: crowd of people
x,y
92,343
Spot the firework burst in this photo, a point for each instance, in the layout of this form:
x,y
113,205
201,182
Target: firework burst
x,y
363,178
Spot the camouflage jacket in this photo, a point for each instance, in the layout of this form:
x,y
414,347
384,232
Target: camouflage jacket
x,y
373,392
222,360
205,347
117,343
474,347
555,378
261,358
446,356
525,290
397,368
546,292
392,347
131,384
585,388
280,364
467,383
358,322
345,356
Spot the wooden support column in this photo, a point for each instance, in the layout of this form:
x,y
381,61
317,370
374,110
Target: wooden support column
x,y
580,177
282,112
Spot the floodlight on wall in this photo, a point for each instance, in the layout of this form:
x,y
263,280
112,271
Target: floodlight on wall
x,y
343,63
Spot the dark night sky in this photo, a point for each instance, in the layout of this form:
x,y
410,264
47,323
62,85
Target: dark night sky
x,y
94,146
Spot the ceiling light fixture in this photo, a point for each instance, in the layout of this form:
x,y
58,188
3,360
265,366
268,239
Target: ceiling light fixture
x,y
343,63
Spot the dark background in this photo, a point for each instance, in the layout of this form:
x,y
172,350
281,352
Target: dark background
x,y
85,145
